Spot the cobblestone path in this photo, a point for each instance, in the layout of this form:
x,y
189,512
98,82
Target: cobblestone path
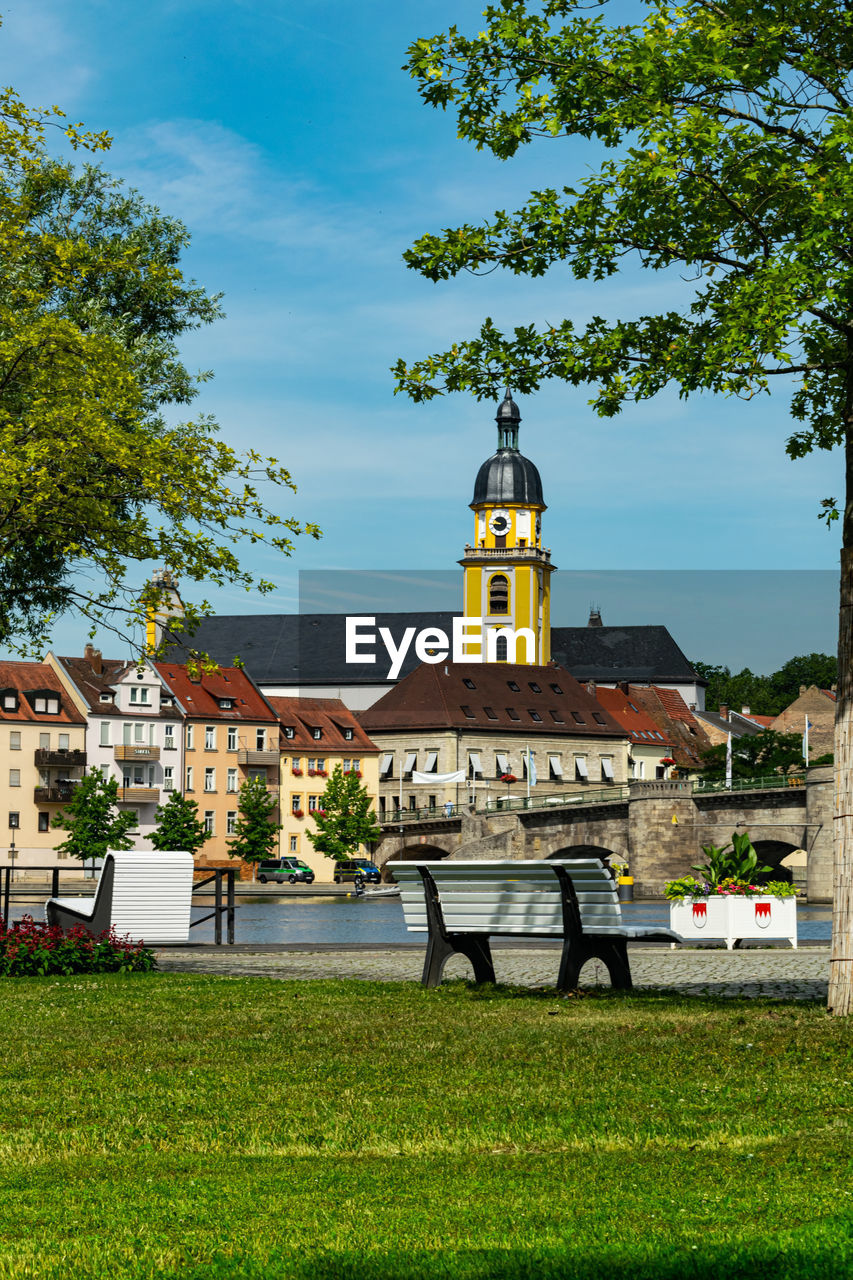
x,y
775,973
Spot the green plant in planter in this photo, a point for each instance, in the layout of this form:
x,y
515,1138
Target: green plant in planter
x,y
735,861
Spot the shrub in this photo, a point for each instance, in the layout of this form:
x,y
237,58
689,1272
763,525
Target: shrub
x,y
28,948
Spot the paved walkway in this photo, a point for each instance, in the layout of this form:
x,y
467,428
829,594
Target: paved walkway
x,y
775,973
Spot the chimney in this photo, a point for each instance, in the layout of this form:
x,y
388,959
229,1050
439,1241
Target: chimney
x,y
594,616
724,711
94,658
802,688
590,687
744,711
625,687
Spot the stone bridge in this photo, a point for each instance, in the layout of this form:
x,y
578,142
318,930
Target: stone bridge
x,y
658,829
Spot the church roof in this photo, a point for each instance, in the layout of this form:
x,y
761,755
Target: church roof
x,y
508,477
642,655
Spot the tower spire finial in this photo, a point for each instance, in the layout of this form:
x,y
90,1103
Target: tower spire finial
x,y
508,418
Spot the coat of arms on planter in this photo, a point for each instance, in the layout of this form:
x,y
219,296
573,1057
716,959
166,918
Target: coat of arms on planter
x,y
762,914
700,914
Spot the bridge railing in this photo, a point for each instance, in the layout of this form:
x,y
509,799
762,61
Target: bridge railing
x,y
773,782
505,804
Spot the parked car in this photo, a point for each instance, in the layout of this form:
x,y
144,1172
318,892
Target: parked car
x,y
355,867
289,869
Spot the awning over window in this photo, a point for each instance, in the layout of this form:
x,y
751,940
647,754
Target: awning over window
x,y
556,766
474,765
580,765
387,761
607,768
503,761
431,762
411,758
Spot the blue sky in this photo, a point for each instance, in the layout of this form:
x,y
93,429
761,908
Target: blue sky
x,y
300,157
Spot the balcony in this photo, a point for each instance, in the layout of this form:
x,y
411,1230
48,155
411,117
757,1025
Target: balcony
x,y
139,795
60,759
476,555
137,752
55,794
245,756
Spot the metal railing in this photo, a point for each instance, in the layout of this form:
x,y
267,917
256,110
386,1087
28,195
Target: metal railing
x,y
223,905
773,782
504,804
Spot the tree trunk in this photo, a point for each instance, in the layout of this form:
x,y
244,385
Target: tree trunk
x,y
841,963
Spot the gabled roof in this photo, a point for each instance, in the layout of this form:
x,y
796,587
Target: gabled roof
x,y
35,677
636,721
609,654
480,697
738,726
675,721
201,698
330,716
91,684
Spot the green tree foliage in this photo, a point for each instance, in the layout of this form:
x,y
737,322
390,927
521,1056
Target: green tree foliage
x,y
755,757
178,825
766,695
93,820
255,834
729,128
345,820
97,473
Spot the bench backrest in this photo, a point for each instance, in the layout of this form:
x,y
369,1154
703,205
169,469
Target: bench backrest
x,y
152,893
509,897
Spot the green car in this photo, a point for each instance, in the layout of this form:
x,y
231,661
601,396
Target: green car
x,y
281,869
357,867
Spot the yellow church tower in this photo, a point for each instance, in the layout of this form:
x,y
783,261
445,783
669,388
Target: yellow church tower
x,y
507,573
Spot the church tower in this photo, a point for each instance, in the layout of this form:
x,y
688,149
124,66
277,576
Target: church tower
x,y
507,572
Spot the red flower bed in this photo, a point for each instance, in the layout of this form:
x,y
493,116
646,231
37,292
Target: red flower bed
x,y
28,948
298,813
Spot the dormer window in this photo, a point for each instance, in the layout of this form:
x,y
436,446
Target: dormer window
x,y
348,735
43,701
139,694
316,733
106,697
289,731
226,704
9,699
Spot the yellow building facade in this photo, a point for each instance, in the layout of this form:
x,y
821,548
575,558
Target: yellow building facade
x,y
507,571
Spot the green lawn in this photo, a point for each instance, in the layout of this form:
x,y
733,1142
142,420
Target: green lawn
x,y
164,1125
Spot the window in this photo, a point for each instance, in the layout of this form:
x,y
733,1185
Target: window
x,y
14,777
189,737
15,740
578,718
313,803
581,772
169,731
296,803
431,800
231,780
606,769
289,731
168,778
348,735
231,822
431,765
208,821
210,779
556,717
475,766
555,769
534,686
413,802
513,715
598,717
501,649
491,713
210,737
139,733
139,693
411,763
64,742
556,688
386,767
44,742
44,822
515,687
260,739
501,764
499,594
189,785
10,701
469,684
381,806
317,733
232,738
294,844
534,715
225,704
105,733
466,711
106,697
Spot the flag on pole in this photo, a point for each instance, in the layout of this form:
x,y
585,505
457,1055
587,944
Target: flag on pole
x,y
806,739
729,761
531,768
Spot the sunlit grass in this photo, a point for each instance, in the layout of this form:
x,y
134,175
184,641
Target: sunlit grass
x,y
170,1125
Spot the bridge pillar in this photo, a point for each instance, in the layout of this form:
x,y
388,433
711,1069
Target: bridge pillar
x,y
660,849
820,812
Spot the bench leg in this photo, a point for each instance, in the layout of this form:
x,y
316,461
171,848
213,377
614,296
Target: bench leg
x,y
440,949
613,953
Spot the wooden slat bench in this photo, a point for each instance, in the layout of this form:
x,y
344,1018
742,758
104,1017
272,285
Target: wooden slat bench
x,y
462,904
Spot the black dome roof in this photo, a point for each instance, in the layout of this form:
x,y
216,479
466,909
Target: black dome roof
x,y
508,477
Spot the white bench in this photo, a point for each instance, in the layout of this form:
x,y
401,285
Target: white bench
x,y
460,905
146,895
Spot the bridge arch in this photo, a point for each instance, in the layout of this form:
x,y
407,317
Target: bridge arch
x,y
614,850
784,856
413,853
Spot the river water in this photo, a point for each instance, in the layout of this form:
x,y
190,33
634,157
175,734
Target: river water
x,y
370,921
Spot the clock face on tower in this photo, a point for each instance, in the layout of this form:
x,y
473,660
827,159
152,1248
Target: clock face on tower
x,y
499,522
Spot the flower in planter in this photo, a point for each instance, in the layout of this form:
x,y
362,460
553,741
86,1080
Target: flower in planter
x,y
312,773
319,813
667,760
321,773
298,813
508,778
297,773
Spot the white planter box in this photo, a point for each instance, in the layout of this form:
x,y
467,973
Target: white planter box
x,y
733,918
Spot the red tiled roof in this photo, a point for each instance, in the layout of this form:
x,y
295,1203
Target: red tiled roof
x,y
29,677
688,740
91,684
330,716
638,722
491,697
200,698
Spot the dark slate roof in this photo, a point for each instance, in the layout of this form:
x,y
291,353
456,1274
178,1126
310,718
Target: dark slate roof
x,y
640,655
508,477
307,648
